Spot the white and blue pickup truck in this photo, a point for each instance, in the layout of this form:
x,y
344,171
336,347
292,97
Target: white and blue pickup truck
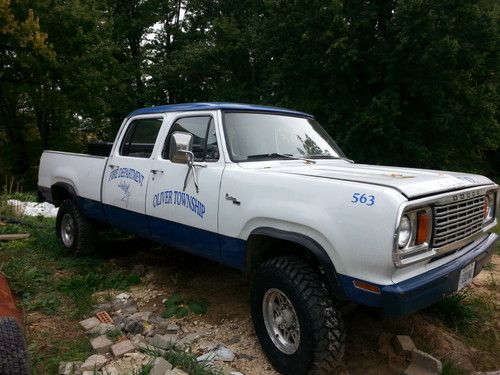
x,y
267,191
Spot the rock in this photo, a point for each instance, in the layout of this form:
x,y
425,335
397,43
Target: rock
x,y
89,323
123,296
137,339
110,370
160,366
88,373
246,357
188,340
101,344
69,368
220,354
172,328
233,340
102,328
162,341
423,364
235,373
134,326
104,306
403,344
94,362
147,330
122,347
176,371
141,315
120,304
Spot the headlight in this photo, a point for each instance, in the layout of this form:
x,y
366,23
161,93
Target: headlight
x,y
405,232
489,208
412,237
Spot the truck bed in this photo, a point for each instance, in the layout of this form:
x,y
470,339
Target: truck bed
x,y
83,172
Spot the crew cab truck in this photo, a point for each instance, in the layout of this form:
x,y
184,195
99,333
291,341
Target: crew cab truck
x,y
267,191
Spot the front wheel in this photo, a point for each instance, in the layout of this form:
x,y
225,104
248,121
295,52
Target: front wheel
x,y
76,232
296,321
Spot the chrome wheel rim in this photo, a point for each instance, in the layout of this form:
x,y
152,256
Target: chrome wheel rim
x,y
67,230
281,321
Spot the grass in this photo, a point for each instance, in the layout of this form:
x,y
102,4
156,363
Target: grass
x,y
451,368
177,305
50,282
456,311
47,356
472,317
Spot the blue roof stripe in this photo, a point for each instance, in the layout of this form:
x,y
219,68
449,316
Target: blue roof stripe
x,y
214,106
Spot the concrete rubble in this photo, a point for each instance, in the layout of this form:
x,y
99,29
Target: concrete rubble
x,y
139,338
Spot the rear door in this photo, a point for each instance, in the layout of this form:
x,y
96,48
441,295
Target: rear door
x,y
184,217
126,176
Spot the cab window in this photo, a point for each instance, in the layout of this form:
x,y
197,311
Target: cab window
x,y
140,138
202,128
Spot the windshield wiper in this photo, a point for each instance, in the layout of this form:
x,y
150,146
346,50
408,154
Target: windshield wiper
x,y
278,155
323,156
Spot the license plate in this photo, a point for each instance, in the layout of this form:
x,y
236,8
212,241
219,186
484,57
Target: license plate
x,y
466,276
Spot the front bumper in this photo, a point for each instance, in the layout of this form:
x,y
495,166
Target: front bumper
x,y
426,289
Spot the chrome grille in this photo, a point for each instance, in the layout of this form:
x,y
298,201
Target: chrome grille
x,y
456,221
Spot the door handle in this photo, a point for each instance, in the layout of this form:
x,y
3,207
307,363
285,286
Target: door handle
x,y
156,171
113,166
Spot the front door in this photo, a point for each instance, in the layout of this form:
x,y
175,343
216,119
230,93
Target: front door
x,y
126,176
185,217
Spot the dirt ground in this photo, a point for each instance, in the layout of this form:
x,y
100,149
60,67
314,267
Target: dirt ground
x,y
228,322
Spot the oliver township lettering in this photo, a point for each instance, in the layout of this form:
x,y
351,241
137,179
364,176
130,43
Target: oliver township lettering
x,y
179,198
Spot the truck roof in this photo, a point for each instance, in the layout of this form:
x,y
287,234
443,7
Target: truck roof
x,y
215,105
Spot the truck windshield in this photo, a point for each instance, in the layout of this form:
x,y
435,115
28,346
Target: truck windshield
x,y
263,136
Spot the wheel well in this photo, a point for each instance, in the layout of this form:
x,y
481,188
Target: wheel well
x,y
263,247
267,243
60,193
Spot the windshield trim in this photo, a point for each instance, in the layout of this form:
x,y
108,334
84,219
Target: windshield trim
x,y
228,146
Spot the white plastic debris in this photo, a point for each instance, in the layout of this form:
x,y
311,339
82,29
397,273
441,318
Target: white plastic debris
x,y
33,208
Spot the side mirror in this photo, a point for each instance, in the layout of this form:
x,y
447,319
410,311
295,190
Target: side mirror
x,y
181,147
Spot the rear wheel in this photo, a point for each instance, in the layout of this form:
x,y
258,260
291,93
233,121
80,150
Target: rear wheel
x,y
296,321
77,233
14,359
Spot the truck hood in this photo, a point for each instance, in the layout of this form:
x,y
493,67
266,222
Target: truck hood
x,y
412,183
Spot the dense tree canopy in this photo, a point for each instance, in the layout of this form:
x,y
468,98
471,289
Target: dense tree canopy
x,y
401,82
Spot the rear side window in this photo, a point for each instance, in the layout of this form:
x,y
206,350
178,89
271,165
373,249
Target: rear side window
x,y
140,138
202,128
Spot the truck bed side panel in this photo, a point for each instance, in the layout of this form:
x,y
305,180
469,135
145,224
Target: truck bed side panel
x,y
83,173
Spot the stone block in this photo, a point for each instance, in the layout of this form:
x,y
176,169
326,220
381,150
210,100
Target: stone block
x,y
160,366
101,344
89,323
121,348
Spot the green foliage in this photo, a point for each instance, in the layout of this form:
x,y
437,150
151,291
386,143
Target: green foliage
x,y
179,307
186,361
46,359
451,368
471,316
417,79
114,334
456,311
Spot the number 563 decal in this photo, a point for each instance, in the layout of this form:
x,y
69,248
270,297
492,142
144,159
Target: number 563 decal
x,y
369,200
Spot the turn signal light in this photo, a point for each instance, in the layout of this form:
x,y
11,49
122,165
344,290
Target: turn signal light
x,y
423,221
366,286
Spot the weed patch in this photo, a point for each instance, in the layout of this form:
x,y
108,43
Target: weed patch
x,y
451,368
186,360
178,306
